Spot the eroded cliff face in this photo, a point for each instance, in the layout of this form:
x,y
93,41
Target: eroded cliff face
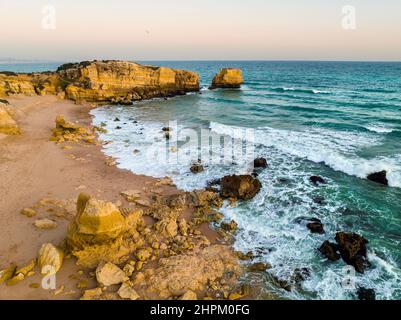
x,y
102,82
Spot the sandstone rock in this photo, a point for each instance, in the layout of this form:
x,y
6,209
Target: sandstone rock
x,y
379,177
16,279
68,131
127,292
28,212
93,294
167,228
50,258
45,224
353,250
259,267
25,270
7,273
108,274
144,254
316,227
131,195
189,296
101,232
230,227
183,227
228,78
7,123
242,187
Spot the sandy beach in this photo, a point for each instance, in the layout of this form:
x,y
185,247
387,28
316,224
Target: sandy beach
x,y
34,169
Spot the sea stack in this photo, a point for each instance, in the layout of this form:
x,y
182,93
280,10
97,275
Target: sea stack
x,y
228,78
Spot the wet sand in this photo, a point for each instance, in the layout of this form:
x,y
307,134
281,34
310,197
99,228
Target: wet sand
x,y
33,168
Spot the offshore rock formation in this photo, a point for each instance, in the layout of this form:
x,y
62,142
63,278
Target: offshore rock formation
x,y
102,82
228,78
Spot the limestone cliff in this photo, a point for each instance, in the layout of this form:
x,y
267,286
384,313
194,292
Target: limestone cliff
x,y
102,82
228,78
7,123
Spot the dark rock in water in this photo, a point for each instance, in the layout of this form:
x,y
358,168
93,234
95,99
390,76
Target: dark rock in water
x,y
366,294
300,275
167,135
255,174
330,251
318,200
243,187
197,168
353,250
214,182
212,189
316,227
118,128
167,129
117,119
379,177
316,180
280,283
260,163
259,267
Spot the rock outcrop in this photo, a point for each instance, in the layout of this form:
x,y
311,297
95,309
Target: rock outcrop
x,y
102,82
228,78
242,187
379,177
7,123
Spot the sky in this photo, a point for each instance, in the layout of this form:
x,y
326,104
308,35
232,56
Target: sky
x,y
72,30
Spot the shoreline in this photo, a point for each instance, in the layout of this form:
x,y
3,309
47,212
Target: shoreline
x,y
56,176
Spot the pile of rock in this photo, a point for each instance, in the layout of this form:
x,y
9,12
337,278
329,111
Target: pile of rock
x,y
72,132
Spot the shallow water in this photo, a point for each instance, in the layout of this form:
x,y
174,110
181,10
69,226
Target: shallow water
x,y
341,121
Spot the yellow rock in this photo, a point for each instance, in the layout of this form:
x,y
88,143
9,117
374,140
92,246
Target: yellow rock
x,y
189,295
92,294
131,195
34,285
8,273
7,123
45,224
28,212
26,270
16,279
143,254
50,259
127,292
228,78
108,274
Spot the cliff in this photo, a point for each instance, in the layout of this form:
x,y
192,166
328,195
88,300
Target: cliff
x,y
102,82
228,78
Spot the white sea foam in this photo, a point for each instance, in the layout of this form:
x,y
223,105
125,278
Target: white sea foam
x,y
379,128
336,149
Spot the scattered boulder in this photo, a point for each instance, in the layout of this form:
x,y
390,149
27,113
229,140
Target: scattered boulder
x,y
229,227
316,180
50,258
189,296
126,291
330,251
366,294
300,275
108,274
243,187
7,273
68,131
131,195
379,177
167,129
28,212
228,78
260,163
197,168
353,250
316,227
45,224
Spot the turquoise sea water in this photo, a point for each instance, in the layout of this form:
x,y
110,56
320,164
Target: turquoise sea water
x,y
339,120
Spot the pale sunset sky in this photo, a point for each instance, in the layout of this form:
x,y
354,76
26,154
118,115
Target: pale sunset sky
x,y
199,30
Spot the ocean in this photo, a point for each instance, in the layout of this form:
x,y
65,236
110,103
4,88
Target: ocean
x,y
337,120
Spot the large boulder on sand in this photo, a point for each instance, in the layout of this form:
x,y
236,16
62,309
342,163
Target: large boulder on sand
x,y
228,78
101,232
242,187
